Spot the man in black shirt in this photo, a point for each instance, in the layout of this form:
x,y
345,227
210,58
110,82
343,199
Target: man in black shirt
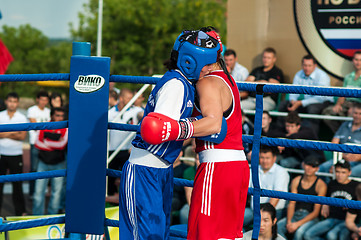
x,y
353,218
344,188
301,215
292,157
268,73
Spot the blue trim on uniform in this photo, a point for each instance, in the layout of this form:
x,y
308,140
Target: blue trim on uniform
x,y
168,151
145,202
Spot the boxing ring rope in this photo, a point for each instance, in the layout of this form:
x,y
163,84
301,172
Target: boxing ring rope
x,y
256,139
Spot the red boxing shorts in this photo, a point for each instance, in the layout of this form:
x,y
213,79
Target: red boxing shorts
x,y
218,201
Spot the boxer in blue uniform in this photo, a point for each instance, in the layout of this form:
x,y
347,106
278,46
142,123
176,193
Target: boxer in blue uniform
x,y
147,180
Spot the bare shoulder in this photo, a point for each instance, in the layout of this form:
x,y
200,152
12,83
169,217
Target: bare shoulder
x,y
209,85
296,179
209,80
295,182
321,186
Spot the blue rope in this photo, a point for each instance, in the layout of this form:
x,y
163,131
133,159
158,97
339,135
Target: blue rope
x,y
305,144
111,222
123,127
113,173
32,126
34,77
273,194
179,234
133,79
23,224
338,202
285,88
32,176
177,181
326,91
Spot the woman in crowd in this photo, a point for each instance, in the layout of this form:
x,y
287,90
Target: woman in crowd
x,y
268,230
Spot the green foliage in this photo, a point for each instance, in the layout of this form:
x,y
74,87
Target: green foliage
x,y
138,35
33,53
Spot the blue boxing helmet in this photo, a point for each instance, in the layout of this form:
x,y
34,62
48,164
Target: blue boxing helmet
x,y
193,50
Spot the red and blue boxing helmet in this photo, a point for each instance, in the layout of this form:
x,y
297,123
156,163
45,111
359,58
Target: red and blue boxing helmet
x,y
195,49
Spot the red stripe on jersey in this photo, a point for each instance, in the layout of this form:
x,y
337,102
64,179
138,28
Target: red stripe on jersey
x,y
233,138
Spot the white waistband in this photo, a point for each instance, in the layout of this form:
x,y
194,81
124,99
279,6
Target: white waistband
x,y
142,157
221,155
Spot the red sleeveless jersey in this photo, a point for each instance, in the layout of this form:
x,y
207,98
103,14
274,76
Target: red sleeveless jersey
x,y
233,116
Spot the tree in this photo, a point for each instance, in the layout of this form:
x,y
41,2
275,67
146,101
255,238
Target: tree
x,y
33,53
138,35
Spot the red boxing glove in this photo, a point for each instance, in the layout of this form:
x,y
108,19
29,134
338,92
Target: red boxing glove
x,y
157,128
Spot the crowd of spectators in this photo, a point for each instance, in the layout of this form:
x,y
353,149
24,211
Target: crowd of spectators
x,y
297,220
48,148
289,220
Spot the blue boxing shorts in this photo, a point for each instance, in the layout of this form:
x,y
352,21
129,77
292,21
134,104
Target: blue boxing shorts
x,y
145,200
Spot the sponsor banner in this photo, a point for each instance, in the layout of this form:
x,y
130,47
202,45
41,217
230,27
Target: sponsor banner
x,y
330,30
56,231
45,232
89,83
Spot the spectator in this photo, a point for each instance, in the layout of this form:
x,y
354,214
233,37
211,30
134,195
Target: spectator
x,y
2,105
52,146
271,177
113,98
268,73
56,101
343,105
268,229
334,222
269,129
189,174
348,133
139,105
37,113
139,102
310,75
301,215
112,87
238,72
117,137
11,150
179,198
292,157
353,217
247,128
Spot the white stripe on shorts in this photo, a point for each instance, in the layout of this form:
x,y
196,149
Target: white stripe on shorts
x,y
207,189
130,197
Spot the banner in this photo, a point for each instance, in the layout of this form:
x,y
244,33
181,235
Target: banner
x,y
330,31
57,231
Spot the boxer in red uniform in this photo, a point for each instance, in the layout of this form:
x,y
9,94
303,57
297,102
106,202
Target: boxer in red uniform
x,y
221,183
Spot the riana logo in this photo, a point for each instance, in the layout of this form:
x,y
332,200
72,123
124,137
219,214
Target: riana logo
x,y
331,31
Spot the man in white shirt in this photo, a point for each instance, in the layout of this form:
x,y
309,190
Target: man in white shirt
x,y
37,113
11,150
238,72
117,137
309,75
272,177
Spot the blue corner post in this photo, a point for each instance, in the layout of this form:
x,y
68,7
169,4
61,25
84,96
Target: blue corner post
x,y
87,144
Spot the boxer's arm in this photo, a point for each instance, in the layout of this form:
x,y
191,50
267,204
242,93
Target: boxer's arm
x,y
209,91
169,99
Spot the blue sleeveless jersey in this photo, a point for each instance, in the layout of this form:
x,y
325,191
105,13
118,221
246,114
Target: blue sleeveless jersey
x,y
167,151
